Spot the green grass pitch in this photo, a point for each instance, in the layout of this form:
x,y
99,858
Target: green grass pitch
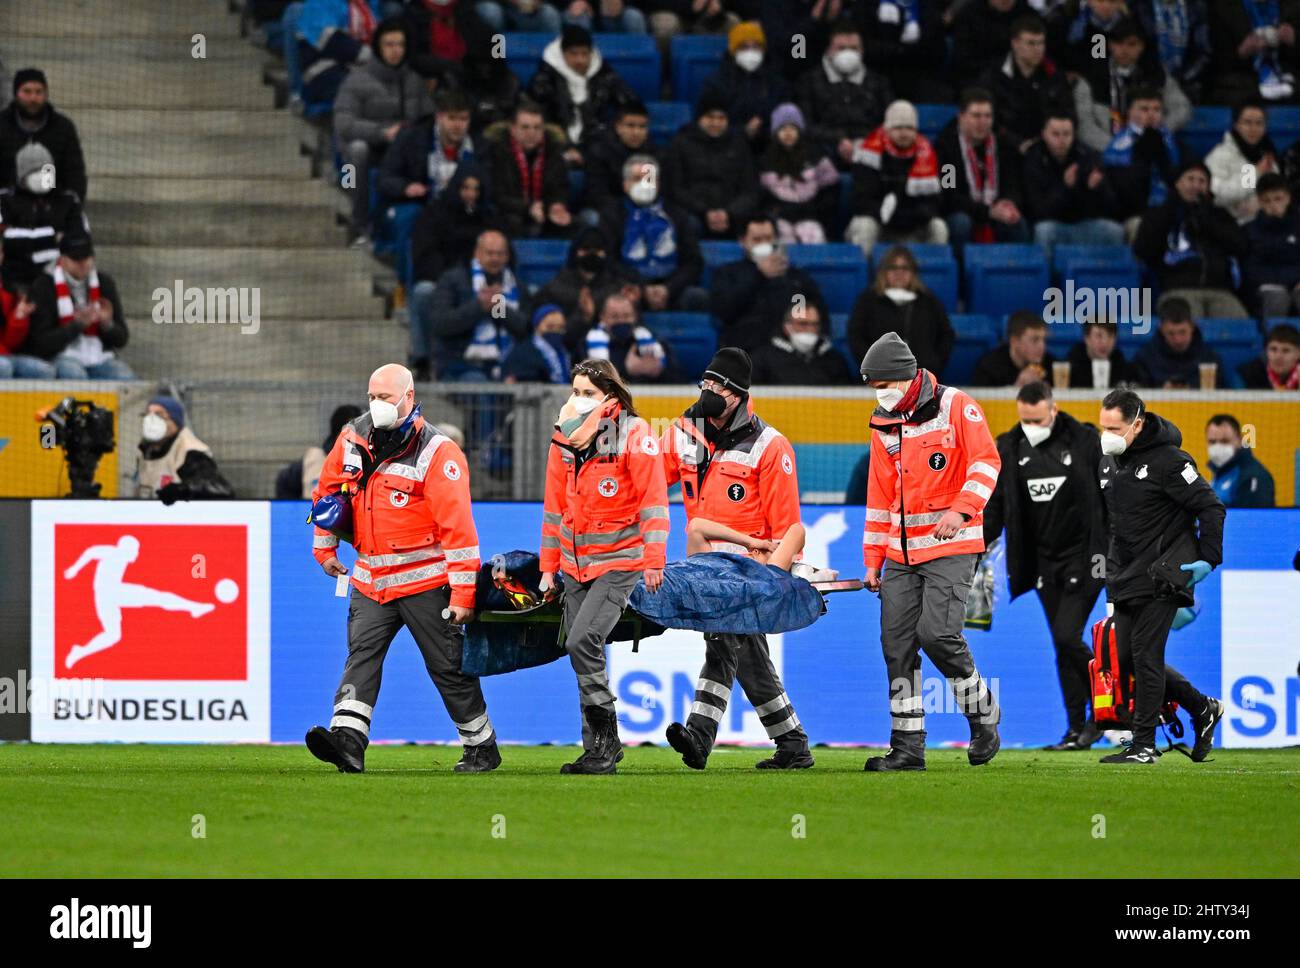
x,y
274,811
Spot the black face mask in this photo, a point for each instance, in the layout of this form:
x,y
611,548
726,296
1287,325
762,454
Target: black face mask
x,y
591,262
712,404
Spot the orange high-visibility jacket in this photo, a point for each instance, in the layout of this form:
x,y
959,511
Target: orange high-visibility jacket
x,y
750,486
413,526
607,512
943,459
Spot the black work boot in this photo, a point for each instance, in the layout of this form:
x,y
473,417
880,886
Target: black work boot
x,y
479,759
1143,755
984,743
906,753
1204,725
1070,741
686,741
787,759
603,756
339,746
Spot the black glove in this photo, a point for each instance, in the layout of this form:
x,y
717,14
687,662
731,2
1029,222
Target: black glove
x,y
1150,146
172,492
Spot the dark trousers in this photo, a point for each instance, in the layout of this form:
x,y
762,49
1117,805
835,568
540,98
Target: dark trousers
x,y
1067,603
1141,631
744,657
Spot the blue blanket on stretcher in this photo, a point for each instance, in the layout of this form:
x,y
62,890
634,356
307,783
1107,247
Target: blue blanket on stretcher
x,y
721,592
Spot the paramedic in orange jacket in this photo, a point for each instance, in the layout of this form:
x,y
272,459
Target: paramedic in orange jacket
x,y
933,468
737,471
605,522
417,564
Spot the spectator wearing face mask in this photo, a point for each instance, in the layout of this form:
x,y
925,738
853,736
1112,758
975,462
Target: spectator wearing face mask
x,y
589,275
896,186
711,172
1240,480
746,83
34,215
799,181
544,358
621,339
899,302
654,240
174,465
29,118
1097,363
842,99
749,297
1279,367
801,354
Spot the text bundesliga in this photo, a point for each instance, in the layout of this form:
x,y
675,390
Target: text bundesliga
x,y
151,710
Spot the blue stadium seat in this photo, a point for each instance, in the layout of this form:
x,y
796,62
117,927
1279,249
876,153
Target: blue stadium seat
x,y
524,53
718,254
693,337
666,117
538,260
1284,126
635,58
976,335
1060,339
694,57
839,327
838,267
1096,267
1235,340
1003,278
937,264
932,117
1205,129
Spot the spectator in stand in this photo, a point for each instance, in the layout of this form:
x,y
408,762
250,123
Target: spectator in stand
x,y
174,465
631,347
1108,86
528,184
605,16
799,181
1254,50
580,287
544,358
905,42
1193,246
425,156
899,302
468,322
30,117
297,480
842,99
1068,195
1240,480
375,103
746,84
34,216
493,88
607,150
15,317
1236,164
1073,28
984,204
655,240
895,185
1022,359
711,171
1279,367
801,354
796,30
669,18
577,90
523,16
1179,31
1271,274
1173,358
981,35
1096,363
1026,86
1141,161
440,33
750,297
332,36
77,322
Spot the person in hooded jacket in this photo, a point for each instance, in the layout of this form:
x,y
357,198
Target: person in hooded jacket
x,y
1158,507
544,358
448,226
801,354
747,83
1051,508
589,275
710,170
899,302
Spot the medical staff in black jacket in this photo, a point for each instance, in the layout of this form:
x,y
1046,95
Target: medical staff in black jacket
x,y
1155,500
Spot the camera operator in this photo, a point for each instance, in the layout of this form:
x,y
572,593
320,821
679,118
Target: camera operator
x,y
174,464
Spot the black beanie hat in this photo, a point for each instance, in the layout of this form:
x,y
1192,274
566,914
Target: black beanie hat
x,y
731,367
29,74
574,35
710,100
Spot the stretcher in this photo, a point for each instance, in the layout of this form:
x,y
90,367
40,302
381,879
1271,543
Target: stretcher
x,y
715,592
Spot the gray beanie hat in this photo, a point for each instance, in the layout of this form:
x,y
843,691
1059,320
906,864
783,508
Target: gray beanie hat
x,y
888,358
31,157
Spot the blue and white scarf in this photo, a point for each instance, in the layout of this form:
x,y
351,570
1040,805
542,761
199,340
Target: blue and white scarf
x,y
906,11
1173,32
440,169
491,341
554,355
1274,83
1079,32
598,343
649,241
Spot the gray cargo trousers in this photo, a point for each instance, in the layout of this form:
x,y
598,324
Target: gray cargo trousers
x,y
591,610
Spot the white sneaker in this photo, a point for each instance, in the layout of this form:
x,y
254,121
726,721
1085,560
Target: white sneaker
x,y
811,573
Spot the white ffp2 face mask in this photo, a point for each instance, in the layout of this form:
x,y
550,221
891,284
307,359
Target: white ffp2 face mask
x,y
583,405
153,428
1112,445
385,415
749,60
1220,454
846,61
804,342
642,193
761,251
1035,433
889,397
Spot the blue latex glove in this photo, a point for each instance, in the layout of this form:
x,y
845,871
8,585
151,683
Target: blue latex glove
x,y
1184,616
1200,570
